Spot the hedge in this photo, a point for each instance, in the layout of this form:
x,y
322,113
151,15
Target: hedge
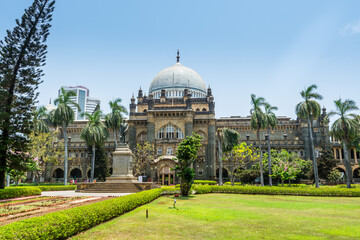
x,y
13,192
205,182
66,223
298,191
57,188
235,183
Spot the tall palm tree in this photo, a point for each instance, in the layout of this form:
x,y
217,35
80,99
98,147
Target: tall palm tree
x,y
257,122
62,116
114,119
346,129
310,109
40,125
270,122
94,134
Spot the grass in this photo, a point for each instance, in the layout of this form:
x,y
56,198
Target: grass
x,y
224,216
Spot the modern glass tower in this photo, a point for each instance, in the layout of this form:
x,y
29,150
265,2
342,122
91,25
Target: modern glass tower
x,y
86,103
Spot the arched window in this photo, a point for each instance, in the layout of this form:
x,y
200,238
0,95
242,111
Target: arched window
x,y
159,150
204,109
169,131
169,151
198,109
160,133
142,137
179,133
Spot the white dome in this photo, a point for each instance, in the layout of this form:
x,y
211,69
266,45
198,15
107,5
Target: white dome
x,y
175,79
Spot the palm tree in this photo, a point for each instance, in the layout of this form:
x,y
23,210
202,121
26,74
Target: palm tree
x,y
270,122
310,109
62,116
257,122
40,125
94,134
113,120
345,129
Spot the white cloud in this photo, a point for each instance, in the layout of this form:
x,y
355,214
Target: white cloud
x,y
351,28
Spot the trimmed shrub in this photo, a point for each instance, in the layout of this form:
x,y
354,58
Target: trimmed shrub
x,y
170,190
57,188
13,192
66,223
205,182
298,191
235,183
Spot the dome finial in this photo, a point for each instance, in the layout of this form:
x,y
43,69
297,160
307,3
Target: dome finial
x,y
178,56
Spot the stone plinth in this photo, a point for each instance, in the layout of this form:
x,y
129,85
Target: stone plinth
x,y
122,166
122,180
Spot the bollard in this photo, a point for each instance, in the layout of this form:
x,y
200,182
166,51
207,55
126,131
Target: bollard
x,y
147,213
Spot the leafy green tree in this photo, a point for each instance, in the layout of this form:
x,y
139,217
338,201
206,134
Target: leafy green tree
x,y
326,163
258,122
270,122
101,169
248,176
43,149
228,139
94,134
310,109
334,176
114,119
346,129
287,166
39,122
186,154
144,157
237,158
62,116
22,56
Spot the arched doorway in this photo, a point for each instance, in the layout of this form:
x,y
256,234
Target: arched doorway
x,y
343,173
75,173
58,173
167,176
356,173
164,166
225,173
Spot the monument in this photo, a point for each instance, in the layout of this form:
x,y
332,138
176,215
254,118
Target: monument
x,y
122,179
122,162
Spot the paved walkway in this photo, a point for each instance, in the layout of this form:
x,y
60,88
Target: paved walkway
x,y
77,194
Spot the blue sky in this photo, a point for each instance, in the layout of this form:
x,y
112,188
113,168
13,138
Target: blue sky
x,y
270,48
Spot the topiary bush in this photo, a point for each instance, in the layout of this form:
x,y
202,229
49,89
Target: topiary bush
x,y
205,182
66,223
298,191
13,192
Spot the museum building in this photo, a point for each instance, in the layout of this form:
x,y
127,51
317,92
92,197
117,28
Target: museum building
x,y
178,104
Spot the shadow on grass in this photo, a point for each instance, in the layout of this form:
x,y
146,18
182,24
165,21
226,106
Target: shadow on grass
x,y
182,197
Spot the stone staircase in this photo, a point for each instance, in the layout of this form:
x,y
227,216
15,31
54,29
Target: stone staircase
x,y
109,187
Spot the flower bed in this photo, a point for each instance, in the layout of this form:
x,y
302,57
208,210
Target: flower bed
x,y
66,223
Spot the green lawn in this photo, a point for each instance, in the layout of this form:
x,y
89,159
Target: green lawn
x,y
222,216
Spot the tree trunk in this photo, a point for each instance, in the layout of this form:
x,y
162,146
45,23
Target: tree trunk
x,y
289,182
220,162
115,137
92,163
316,175
7,179
348,165
261,163
269,158
65,155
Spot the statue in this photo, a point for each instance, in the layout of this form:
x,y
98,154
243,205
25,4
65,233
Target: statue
x,y
123,130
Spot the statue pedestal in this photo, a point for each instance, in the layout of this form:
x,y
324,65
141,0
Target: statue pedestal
x,y
122,166
122,180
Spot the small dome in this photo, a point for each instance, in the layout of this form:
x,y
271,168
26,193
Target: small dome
x,y
50,107
177,78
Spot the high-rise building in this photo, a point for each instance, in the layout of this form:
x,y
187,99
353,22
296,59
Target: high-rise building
x,y
86,103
